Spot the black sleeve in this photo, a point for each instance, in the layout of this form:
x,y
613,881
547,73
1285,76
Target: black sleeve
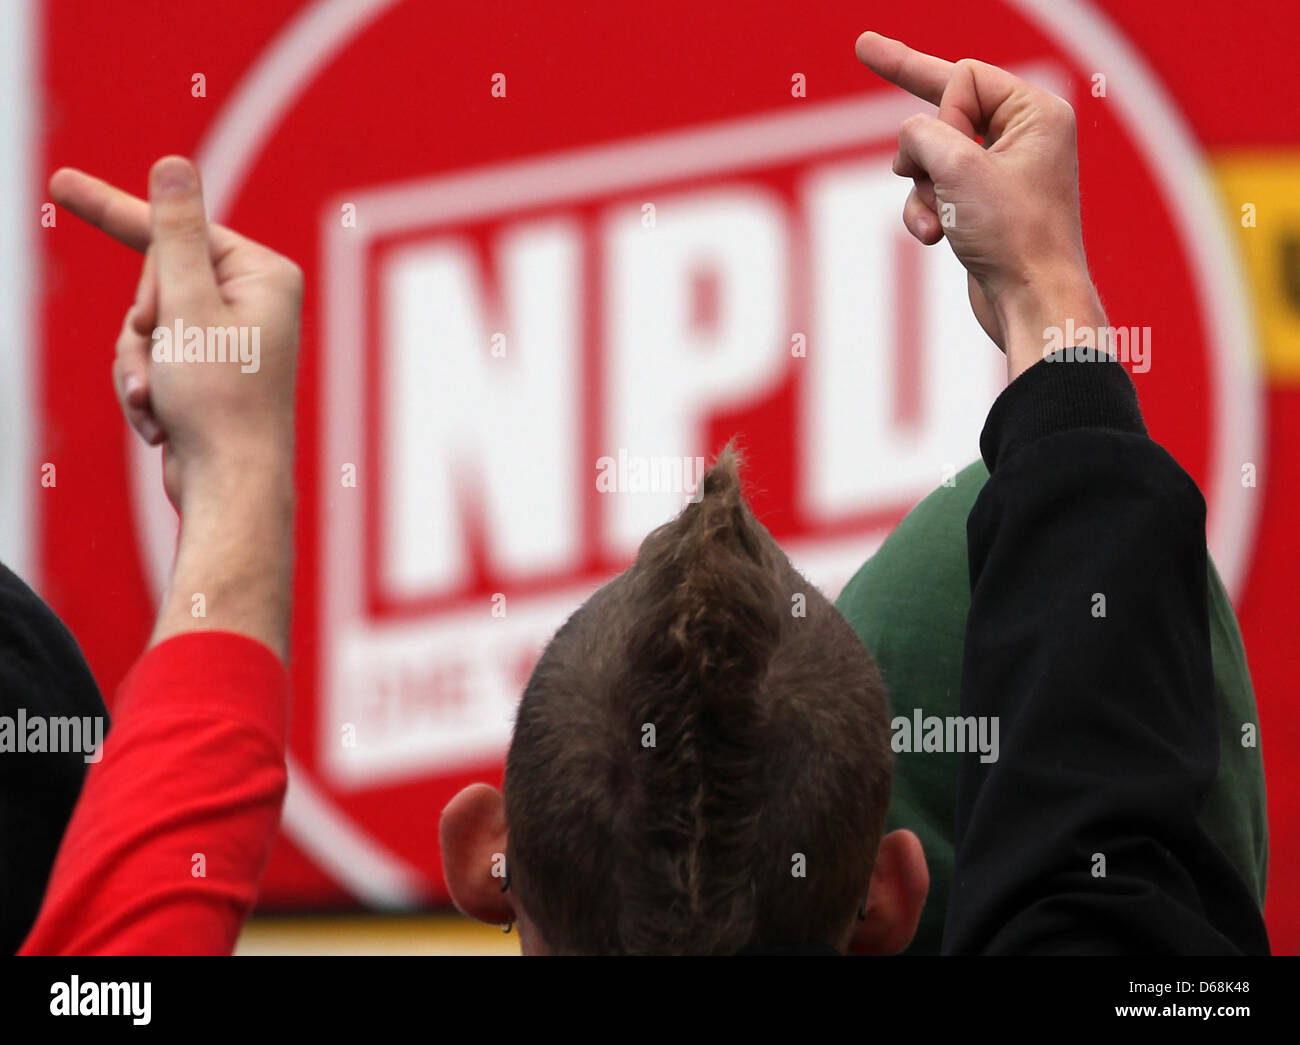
x,y
42,675
1083,837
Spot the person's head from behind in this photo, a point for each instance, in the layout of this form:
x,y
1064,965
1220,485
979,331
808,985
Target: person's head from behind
x,y
700,765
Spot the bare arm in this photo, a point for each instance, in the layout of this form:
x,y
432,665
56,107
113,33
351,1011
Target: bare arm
x,y
166,848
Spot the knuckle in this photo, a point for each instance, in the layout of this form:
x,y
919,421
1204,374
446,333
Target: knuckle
x,y
180,227
118,375
913,123
1060,110
288,274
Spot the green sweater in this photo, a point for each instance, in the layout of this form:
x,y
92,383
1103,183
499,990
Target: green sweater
x,y
908,604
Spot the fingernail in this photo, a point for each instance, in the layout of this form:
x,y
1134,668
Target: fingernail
x,y
134,385
173,175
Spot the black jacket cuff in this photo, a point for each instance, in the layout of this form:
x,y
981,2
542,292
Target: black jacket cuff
x,y
1055,395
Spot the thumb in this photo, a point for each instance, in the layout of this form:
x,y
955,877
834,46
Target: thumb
x,y
180,237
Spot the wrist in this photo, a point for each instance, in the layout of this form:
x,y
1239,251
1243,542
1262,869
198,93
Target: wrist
x,y
252,471
235,548
1058,304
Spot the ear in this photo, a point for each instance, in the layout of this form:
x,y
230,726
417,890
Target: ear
x,y
900,881
472,834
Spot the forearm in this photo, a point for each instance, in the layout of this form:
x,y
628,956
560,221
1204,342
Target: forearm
x,y
234,560
174,827
1088,642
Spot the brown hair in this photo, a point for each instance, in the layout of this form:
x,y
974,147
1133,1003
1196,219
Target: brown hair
x,y
685,735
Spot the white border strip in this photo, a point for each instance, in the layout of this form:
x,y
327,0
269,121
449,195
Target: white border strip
x,y
20,422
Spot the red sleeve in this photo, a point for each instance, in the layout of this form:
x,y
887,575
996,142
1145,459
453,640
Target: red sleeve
x,y
166,849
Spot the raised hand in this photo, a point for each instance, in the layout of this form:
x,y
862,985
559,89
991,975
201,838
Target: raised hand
x,y
1009,207
209,416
